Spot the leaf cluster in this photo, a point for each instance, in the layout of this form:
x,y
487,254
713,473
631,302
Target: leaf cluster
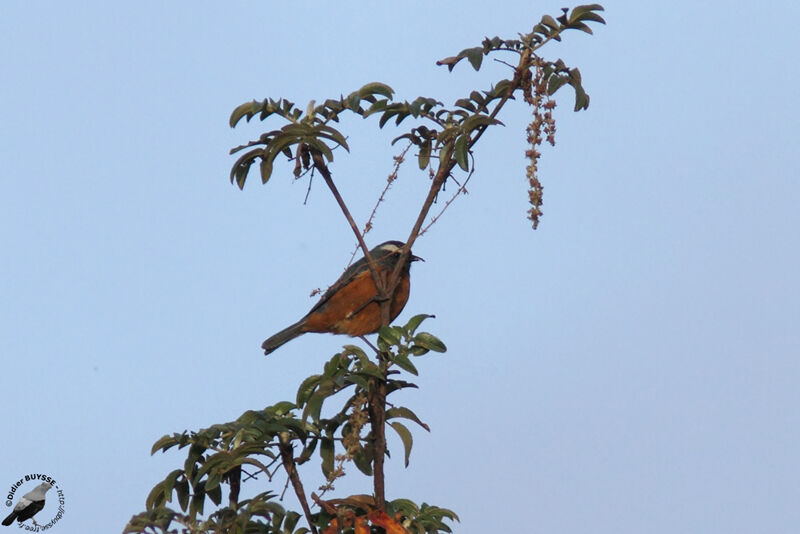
x,y
251,445
443,134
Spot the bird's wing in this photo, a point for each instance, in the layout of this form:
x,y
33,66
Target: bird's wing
x,y
24,502
352,272
32,509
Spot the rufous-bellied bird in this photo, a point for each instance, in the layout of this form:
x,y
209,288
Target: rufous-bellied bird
x,y
350,306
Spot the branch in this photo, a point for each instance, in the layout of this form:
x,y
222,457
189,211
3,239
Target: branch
x,y
376,406
291,469
319,164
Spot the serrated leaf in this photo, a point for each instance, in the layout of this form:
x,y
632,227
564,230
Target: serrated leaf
x,y
405,436
429,341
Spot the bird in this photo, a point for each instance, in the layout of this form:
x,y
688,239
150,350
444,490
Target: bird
x,y
29,504
350,305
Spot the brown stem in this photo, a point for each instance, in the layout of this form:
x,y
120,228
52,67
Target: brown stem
x,y
377,394
386,285
320,165
377,415
289,464
446,167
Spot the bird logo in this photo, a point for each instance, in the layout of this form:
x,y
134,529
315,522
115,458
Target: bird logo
x,y
350,306
29,505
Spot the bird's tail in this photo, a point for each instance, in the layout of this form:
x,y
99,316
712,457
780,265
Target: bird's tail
x,y
284,336
10,519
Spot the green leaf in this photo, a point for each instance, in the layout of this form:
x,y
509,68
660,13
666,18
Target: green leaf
x,y
413,323
581,98
355,350
282,408
290,521
266,169
308,450
247,109
326,453
376,88
242,166
213,481
405,413
476,121
318,145
429,341
363,460
424,155
475,56
306,389
585,12
156,497
405,436
417,350
550,22
390,334
164,443
314,406
334,135
182,489
594,17
555,82
402,361
582,27
461,152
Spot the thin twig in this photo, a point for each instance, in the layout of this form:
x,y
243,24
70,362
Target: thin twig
x,y
319,163
308,191
398,160
461,189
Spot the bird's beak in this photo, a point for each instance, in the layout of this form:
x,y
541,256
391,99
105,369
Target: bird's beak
x,y
415,258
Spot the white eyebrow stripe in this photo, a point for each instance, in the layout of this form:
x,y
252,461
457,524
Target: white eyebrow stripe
x,y
390,247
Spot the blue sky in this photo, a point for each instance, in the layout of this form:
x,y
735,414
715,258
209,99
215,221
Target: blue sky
x,y
631,366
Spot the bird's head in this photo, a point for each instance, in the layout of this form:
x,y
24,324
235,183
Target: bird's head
x,y
389,252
